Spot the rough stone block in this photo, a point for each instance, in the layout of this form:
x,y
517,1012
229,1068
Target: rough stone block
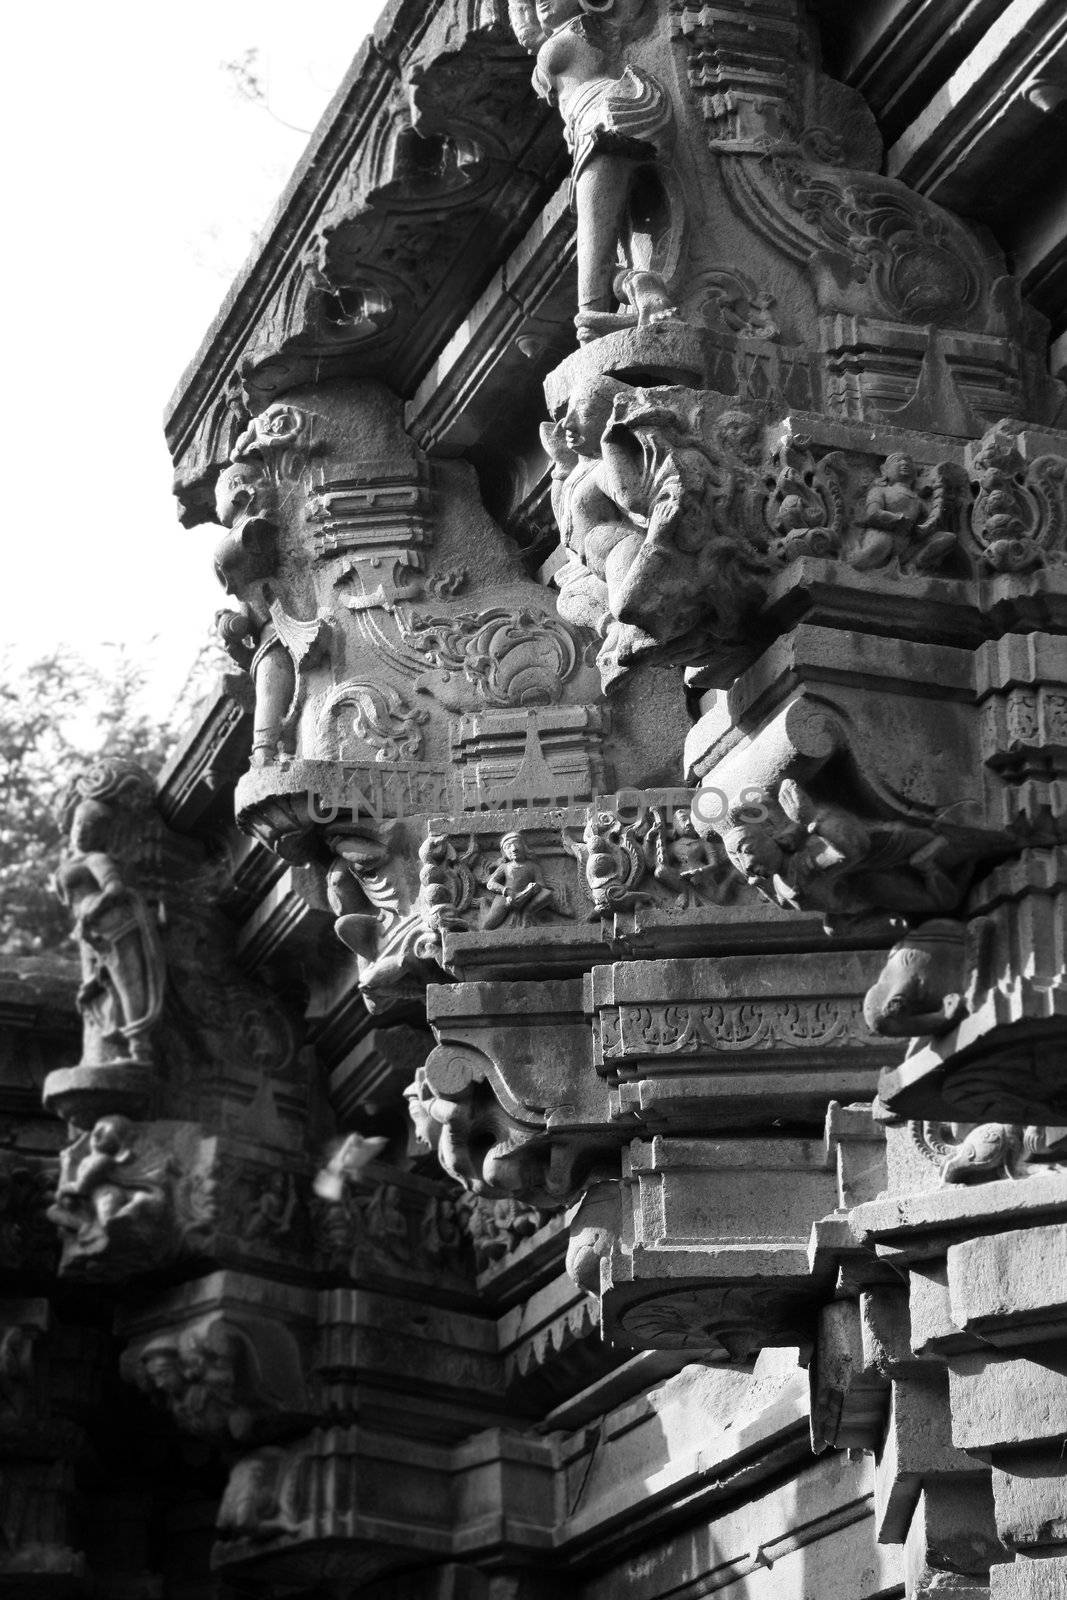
x,y
952,1530
1007,1401
1030,1492
849,1397
918,1447
886,1329
929,1306
1006,1284
1029,1580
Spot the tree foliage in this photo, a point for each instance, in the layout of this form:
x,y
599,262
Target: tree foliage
x,y
57,713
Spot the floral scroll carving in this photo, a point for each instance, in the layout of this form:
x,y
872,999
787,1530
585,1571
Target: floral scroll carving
x,y
1019,519
493,658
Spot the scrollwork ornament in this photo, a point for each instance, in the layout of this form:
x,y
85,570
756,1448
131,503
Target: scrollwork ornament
x,y
1019,517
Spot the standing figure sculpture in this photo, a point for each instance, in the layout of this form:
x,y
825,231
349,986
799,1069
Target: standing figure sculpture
x,y
123,966
617,119
259,633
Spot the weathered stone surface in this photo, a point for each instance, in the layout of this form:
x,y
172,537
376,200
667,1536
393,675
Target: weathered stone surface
x,y
919,1449
952,1532
1028,1580
1007,1400
1028,1492
644,754
1010,1286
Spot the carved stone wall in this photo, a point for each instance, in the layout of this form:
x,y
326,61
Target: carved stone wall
x,y
570,1094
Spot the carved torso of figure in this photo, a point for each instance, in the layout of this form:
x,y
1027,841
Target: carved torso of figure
x,y
591,524
899,501
580,68
246,553
88,884
589,521
122,960
515,878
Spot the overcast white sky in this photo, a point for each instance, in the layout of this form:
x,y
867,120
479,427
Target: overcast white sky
x,y
136,180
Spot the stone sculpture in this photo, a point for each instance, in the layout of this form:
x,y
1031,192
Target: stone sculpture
x,y
618,120
805,853
262,637
920,989
113,1194
123,968
713,913
904,521
665,549
518,887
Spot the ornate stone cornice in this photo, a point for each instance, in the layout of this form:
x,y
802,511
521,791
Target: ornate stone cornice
x,y
382,233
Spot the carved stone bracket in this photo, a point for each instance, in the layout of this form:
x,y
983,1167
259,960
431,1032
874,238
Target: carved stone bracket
x,y
500,1117
1000,987
712,1253
226,1355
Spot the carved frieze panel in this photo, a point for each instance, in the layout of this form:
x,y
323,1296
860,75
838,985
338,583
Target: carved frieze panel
x,y
386,1225
132,1197
712,1248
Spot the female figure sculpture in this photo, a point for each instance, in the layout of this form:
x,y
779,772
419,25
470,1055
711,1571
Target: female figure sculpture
x,y
123,966
617,118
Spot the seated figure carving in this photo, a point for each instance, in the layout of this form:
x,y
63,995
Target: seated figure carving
x,y
904,520
518,886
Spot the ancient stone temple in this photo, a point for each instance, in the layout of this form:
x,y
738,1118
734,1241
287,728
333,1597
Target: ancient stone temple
x,y
567,1093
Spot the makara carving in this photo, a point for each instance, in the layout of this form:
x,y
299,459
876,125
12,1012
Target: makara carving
x,y
619,123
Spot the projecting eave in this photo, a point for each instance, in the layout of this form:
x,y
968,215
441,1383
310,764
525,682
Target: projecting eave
x,y
428,168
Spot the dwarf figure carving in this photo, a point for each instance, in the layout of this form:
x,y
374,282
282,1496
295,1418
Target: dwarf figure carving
x,y
447,884
613,861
